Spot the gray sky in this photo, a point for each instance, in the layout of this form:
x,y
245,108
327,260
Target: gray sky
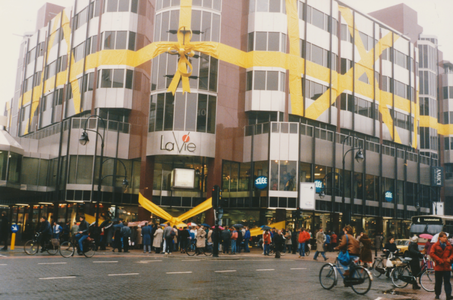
x,y
19,16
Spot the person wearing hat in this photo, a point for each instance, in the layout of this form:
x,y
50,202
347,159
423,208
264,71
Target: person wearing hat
x,y
415,254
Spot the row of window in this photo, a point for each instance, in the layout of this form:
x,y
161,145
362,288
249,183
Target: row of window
x,y
402,120
359,106
266,81
214,4
116,78
318,55
398,57
205,26
184,112
267,41
367,41
398,88
313,90
283,177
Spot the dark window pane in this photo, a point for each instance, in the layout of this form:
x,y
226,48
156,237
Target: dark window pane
x,y
106,80
124,5
261,41
180,110
201,116
211,114
169,109
109,39
249,82
191,114
273,42
129,75
121,40
132,36
260,80
134,6
318,19
112,5
118,78
204,69
213,75
272,81
160,112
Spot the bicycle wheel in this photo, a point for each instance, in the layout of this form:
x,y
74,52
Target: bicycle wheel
x,y
378,264
31,247
307,252
89,252
427,280
327,276
67,249
208,250
191,250
396,273
52,249
363,274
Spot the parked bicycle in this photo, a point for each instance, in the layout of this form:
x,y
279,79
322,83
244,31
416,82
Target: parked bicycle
x,y
68,248
359,280
192,249
379,267
402,275
31,247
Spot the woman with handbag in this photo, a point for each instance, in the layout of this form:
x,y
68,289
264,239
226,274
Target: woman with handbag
x,y
350,248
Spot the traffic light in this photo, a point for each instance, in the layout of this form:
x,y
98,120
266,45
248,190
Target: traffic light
x,y
216,197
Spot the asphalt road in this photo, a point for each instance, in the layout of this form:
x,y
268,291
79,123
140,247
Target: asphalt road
x,y
143,276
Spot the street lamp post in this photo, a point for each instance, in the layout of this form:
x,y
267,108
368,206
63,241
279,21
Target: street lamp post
x,y
84,141
359,158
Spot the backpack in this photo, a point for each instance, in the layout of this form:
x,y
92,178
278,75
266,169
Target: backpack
x,y
172,233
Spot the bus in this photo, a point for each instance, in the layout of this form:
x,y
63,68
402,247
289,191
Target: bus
x,y
431,224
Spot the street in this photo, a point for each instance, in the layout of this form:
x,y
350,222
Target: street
x,y
137,275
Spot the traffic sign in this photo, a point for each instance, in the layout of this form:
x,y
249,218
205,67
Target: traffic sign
x,y
14,228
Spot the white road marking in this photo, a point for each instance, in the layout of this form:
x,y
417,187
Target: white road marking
x,y
147,261
63,277
124,274
225,271
185,272
264,270
54,263
3,264
191,260
298,268
105,261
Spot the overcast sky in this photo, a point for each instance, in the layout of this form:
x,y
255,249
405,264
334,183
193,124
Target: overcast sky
x,y
19,16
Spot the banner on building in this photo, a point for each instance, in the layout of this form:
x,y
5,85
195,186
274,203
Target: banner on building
x,y
307,196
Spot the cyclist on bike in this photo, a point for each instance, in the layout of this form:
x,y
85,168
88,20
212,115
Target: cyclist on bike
x,y
349,244
82,233
45,230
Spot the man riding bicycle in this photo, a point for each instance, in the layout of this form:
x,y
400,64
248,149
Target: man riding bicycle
x,y
45,230
82,233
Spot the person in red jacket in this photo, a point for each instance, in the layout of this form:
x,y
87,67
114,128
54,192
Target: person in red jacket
x,y
442,254
304,237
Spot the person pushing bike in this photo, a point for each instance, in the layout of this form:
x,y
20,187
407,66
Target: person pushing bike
x,y
45,232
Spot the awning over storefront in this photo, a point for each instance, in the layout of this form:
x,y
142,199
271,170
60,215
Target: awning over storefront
x,y
8,143
161,213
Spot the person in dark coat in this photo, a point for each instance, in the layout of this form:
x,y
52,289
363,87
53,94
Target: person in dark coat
x,y
4,231
390,247
226,236
146,233
279,243
365,251
415,262
184,236
118,235
442,254
104,229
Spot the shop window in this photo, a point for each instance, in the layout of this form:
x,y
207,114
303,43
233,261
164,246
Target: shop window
x,y
14,168
3,164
